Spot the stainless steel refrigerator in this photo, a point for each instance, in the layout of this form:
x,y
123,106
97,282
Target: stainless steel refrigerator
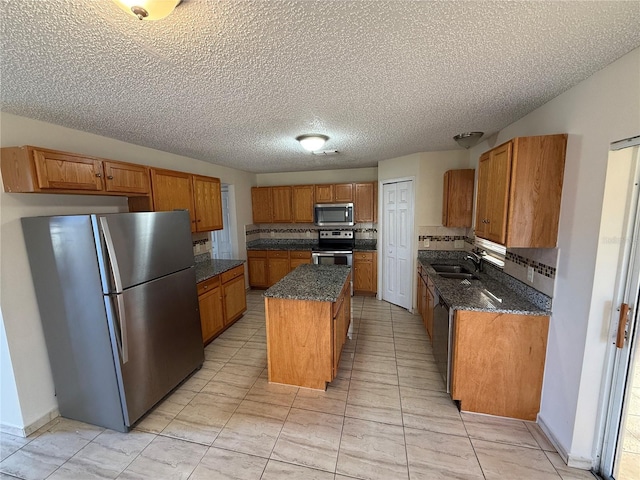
x,y
119,308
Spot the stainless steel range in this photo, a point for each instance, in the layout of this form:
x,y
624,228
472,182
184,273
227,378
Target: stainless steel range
x,y
335,247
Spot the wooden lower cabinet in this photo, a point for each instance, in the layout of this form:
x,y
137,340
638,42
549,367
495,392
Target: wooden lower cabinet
x,y
222,300
298,257
498,363
278,265
258,268
365,268
267,267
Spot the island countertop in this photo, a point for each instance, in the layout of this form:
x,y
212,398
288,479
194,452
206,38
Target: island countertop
x,y
321,283
208,268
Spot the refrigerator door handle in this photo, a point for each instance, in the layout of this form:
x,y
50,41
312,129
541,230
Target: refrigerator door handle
x,y
120,326
113,262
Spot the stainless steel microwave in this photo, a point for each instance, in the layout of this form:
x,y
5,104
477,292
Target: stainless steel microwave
x,y
333,214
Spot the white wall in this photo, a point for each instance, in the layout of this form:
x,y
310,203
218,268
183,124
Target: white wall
x,y
21,319
10,413
602,109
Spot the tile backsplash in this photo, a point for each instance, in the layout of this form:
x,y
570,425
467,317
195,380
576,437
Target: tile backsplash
x,y
303,231
443,238
201,244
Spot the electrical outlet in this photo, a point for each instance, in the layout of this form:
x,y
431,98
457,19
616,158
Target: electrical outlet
x,y
308,233
530,271
425,243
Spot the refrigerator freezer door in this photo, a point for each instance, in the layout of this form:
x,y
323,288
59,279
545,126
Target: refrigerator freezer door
x,y
134,248
161,323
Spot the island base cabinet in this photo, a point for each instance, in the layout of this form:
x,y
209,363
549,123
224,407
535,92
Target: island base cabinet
x,y
498,363
299,352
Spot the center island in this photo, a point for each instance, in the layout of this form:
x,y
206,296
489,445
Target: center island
x,y
308,314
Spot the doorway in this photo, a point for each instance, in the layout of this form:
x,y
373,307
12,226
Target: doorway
x,y
223,241
620,458
397,242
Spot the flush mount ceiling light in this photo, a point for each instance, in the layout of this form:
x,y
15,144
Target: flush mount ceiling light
x,y
312,142
468,139
148,9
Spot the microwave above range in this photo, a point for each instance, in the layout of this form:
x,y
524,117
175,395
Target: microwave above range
x,y
333,214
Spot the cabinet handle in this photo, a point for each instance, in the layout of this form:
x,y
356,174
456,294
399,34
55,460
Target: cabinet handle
x,y
206,286
98,175
110,177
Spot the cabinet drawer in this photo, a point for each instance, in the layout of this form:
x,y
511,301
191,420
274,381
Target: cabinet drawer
x,y
300,254
278,254
231,274
208,284
256,253
363,256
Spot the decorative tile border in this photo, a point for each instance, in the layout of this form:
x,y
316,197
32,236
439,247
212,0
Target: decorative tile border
x,y
441,238
541,268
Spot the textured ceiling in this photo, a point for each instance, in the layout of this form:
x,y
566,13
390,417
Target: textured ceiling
x,y
234,82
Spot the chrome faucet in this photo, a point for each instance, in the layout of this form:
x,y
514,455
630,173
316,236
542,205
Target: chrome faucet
x,y
476,260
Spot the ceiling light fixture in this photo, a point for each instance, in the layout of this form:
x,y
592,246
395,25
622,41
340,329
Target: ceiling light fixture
x,y
148,9
469,139
312,142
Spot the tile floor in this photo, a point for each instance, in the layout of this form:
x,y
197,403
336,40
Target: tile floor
x,y
385,417
629,468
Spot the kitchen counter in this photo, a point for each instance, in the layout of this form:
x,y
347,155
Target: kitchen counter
x,y
321,283
276,244
483,295
208,268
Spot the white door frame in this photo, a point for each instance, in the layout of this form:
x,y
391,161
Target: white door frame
x,y
619,359
381,227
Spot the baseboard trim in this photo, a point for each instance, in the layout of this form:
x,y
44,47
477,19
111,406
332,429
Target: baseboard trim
x,y
32,427
571,460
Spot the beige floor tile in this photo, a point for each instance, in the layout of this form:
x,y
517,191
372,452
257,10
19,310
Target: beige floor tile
x,y
219,353
496,429
265,392
166,458
243,376
253,428
540,437
256,357
382,378
568,473
218,464
310,439
279,471
419,378
376,402
10,444
216,387
500,461
430,410
435,456
375,363
372,451
332,400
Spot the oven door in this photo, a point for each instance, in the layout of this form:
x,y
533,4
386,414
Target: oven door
x,y
334,258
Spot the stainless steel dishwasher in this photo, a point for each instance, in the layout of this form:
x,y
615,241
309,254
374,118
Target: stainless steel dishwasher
x,y
442,338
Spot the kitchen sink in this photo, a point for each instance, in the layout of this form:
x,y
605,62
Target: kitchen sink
x,y
461,275
440,269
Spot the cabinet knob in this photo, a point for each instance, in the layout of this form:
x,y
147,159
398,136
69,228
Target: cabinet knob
x,y
199,220
98,175
206,286
110,177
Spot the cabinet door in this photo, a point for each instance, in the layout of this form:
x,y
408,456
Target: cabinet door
x,y
364,202
419,294
127,178
363,272
343,192
457,201
172,191
429,305
67,172
208,203
482,195
258,269
298,257
324,193
211,313
302,203
278,265
281,204
261,204
498,193
235,299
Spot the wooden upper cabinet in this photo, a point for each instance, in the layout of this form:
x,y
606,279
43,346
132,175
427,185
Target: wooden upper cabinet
x,y
457,202
519,191
281,204
261,204
343,192
126,178
63,171
324,193
38,170
172,191
207,203
302,203
365,201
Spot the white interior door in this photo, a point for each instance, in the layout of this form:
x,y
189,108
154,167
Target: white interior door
x,y
396,244
222,243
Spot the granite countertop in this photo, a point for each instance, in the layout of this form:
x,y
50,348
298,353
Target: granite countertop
x,y
321,283
266,244
206,269
483,295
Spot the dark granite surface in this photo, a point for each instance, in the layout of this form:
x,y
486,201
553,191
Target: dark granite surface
x,y
207,268
321,283
483,295
280,244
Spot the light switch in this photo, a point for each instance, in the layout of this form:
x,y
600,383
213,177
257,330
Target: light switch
x,y
425,243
